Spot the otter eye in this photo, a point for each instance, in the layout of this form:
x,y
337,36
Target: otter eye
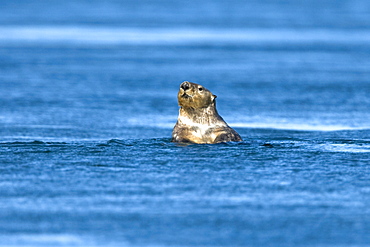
x,y
200,89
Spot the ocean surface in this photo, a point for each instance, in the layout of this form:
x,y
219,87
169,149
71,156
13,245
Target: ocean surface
x,y
88,102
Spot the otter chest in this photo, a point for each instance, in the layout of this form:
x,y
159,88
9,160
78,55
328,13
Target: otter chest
x,y
196,132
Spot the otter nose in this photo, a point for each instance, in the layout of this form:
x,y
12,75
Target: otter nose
x,y
185,85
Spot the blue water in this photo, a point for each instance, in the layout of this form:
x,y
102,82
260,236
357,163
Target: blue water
x,y
88,102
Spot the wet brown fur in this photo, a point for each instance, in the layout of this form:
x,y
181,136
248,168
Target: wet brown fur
x,y
199,121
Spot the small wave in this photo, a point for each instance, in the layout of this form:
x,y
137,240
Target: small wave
x,y
36,142
110,35
134,142
116,142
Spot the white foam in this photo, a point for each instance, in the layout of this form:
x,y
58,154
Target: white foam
x,y
43,240
110,35
347,148
269,123
296,126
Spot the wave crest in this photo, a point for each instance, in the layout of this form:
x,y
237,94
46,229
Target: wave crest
x,y
110,35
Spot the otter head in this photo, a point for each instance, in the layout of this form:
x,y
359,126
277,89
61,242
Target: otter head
x,y
192,95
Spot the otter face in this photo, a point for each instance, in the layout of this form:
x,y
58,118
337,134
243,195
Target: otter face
x,y
192,95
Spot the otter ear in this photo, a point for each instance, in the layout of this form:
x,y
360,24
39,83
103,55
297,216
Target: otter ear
x,y
214,97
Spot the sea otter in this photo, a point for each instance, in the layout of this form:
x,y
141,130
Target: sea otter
x,y
198,120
